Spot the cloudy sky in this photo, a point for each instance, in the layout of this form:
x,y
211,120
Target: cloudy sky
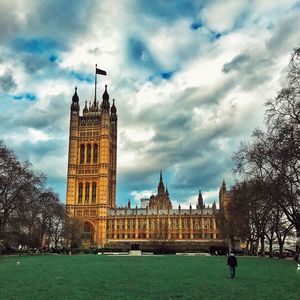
x,y
190,79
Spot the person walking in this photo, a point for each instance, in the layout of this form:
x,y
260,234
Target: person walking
x,y
232,263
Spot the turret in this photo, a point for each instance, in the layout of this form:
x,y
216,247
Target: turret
x,y
222,194
85,109
75,102
214,207
105,103
113,113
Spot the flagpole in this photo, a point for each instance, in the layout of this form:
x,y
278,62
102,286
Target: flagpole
x,y
95,83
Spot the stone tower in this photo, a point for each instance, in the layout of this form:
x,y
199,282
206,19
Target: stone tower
x,y
92,165
162,199
224,198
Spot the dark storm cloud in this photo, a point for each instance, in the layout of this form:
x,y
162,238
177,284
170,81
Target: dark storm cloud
x,y
249,69
53,116
7,82
62,20
286,35
194,151
35,151
236,63
34,63
10,23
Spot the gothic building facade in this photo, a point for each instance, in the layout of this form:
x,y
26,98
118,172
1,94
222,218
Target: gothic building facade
x,y
91,189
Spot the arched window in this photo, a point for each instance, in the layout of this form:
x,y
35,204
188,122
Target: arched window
x,y
80,190
95,159
81,153
94,188
87,192
88,156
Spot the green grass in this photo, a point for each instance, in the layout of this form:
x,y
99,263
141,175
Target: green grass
x,y
155,277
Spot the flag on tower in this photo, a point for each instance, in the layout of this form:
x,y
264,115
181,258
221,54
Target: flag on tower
x,y
100,72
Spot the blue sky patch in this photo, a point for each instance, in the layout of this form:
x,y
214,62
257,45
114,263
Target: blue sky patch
x,y
196,25
167,75
53,58
164,75
36,45
82,77
25,96
139,54
296,6
215,35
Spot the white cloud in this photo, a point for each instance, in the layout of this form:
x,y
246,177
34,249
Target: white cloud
x,y
221,15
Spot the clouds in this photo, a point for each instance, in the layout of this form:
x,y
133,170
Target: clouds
x,y
189,77
7,82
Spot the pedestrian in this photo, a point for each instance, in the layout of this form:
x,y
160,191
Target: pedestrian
x,y
232,263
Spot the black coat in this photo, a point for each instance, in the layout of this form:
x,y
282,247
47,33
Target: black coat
x,y
232,261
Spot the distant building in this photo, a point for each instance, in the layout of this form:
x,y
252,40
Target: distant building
x,y
91,189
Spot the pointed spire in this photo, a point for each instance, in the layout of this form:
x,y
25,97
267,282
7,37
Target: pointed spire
x,y
223,183
223,186
129,204
214,206
200,204
161,187
85,107
113,107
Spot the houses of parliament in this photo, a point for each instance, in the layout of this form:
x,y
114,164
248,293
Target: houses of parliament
x,y
91,189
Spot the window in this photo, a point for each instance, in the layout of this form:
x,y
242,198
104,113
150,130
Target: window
x,y
95,157
87,192
94,188
87,232
88,157
80,189
81,153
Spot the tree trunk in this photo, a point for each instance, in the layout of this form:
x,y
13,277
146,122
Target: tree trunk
x,y
256,247
251,248
262,242
271,248
281,250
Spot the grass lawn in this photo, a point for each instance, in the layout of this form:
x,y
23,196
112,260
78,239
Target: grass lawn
x,y
153,277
